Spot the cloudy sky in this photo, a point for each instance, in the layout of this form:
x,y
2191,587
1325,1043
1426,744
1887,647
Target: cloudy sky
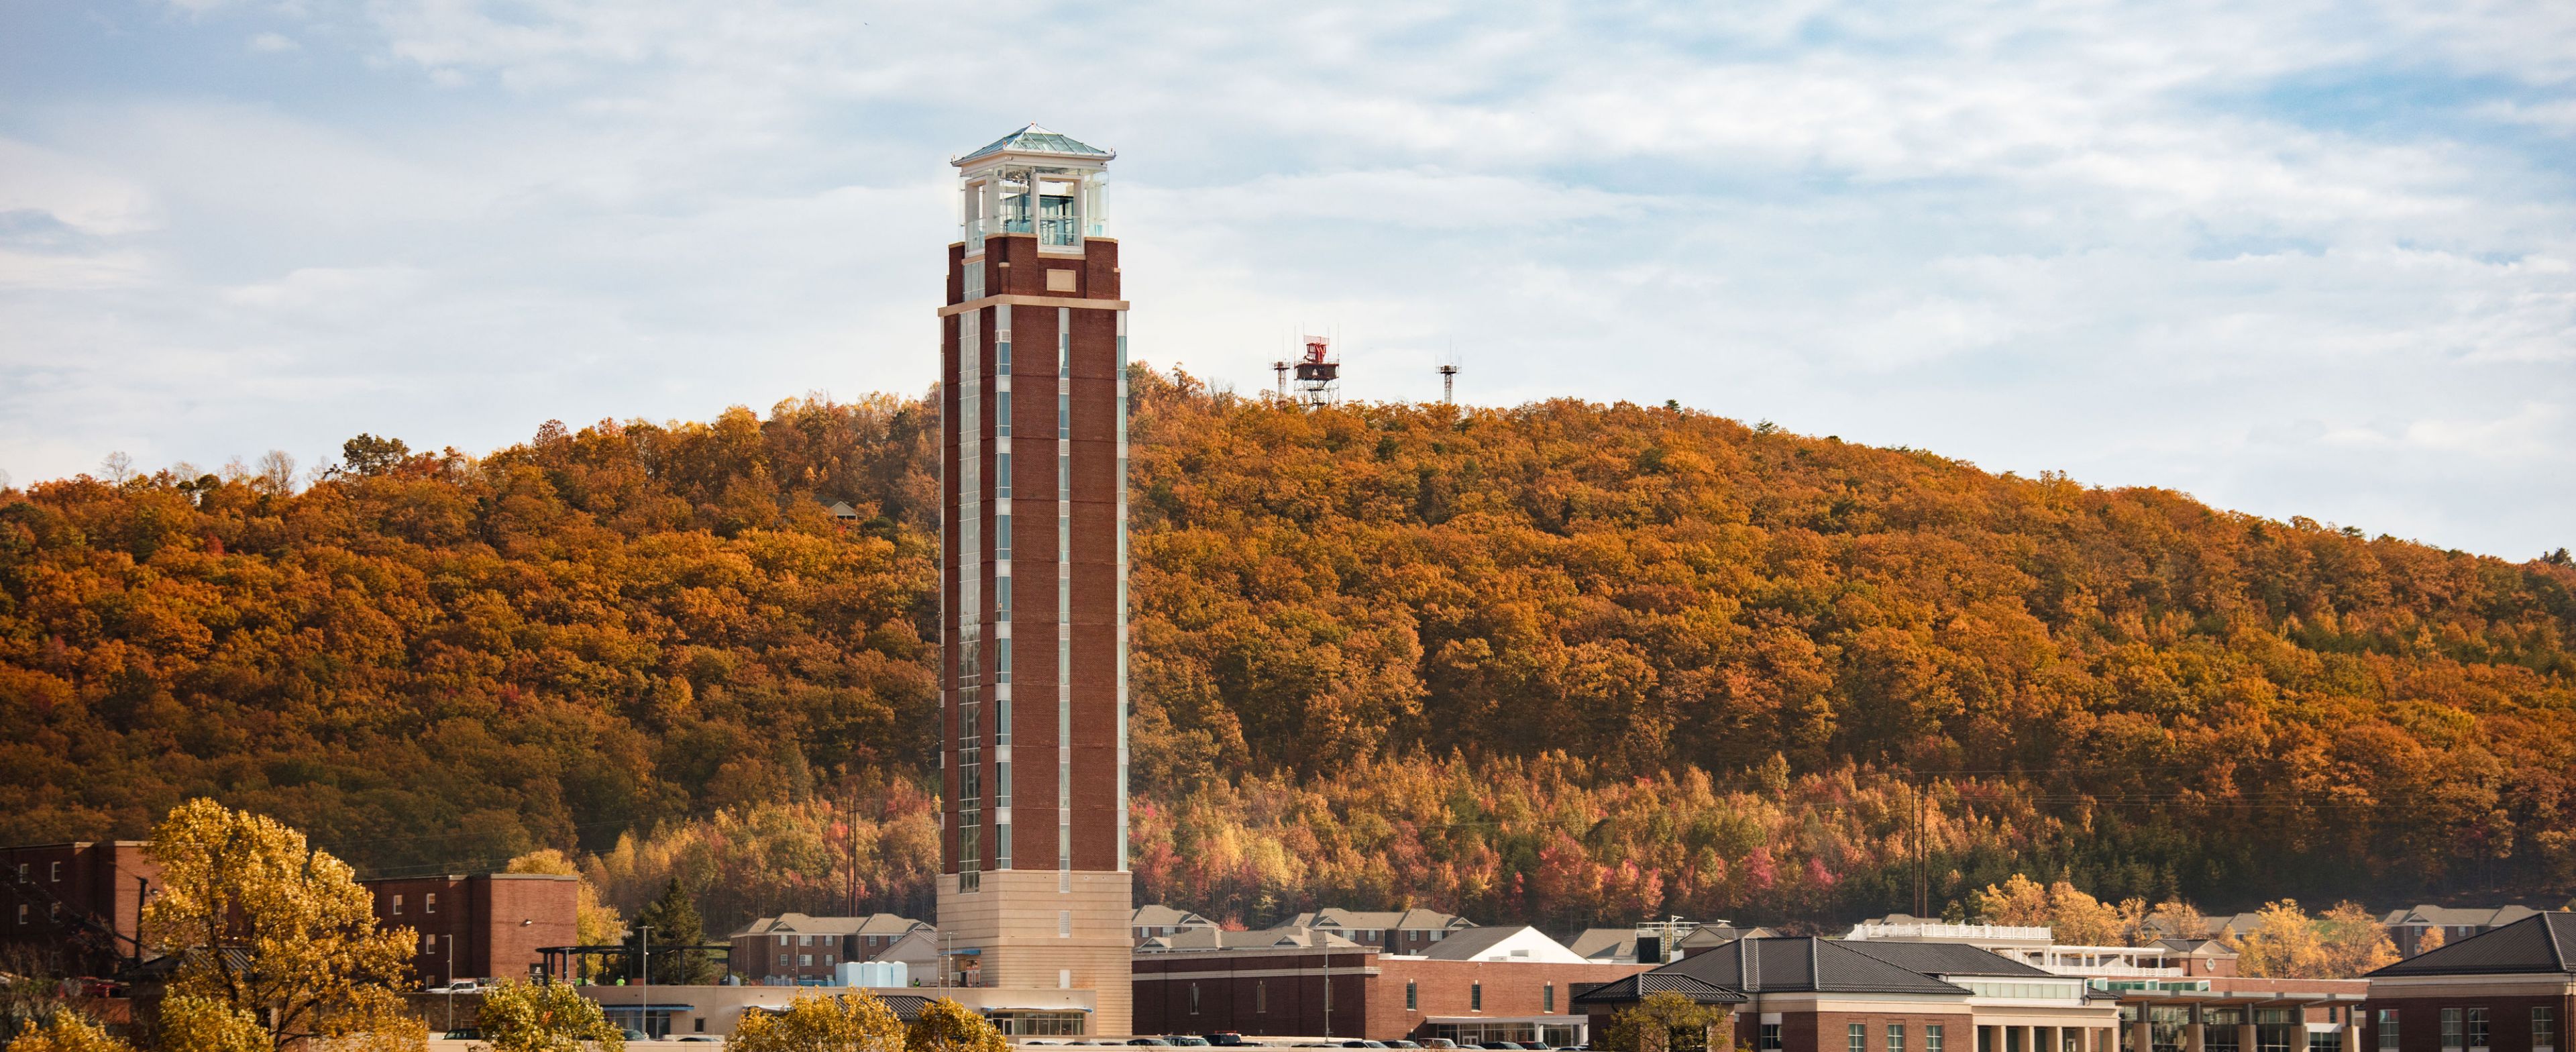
x,y
2293,258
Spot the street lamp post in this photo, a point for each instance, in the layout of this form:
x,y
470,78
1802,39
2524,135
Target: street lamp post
x,y
450,955
644,999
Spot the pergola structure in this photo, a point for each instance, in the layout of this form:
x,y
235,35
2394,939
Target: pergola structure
x,y
562,961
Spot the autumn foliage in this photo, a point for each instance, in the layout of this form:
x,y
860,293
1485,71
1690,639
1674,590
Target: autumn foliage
x,y
1561,663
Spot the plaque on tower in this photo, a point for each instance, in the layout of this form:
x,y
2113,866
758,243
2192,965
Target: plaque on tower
x,y
1034,888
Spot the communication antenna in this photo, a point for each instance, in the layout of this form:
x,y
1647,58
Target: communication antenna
x,y
1281,367
1449,378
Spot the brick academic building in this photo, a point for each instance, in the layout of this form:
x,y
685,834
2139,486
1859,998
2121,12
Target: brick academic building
x,y
1335,988
79,906
2508,989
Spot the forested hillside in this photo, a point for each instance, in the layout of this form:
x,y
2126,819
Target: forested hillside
x,y
1560,663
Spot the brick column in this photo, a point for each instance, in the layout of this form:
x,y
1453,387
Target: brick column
x,y
2245,1032
2141,1039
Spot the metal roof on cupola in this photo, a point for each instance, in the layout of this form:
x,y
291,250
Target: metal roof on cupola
x,y
1040,142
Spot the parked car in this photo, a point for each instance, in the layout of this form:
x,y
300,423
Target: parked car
x,y
1225,1038
1402,1044
697,1037
1363,1044
459,986
1145,1041
633,1034
465,1034
1438,1042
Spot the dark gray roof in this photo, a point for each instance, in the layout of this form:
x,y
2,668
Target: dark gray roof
x,y
1034,139
1942,958
2541,943
1636,988
1465,945
1789,965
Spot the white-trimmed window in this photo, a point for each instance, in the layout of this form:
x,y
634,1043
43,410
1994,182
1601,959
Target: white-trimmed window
x,y
804,960
1895,1037
2388,1030
1856,1037
2451,1031
2544,1029
429,902
2477,1028
397,905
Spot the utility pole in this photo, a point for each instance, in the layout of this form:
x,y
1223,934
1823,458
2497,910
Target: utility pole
x,y
450,955
644,999
142,897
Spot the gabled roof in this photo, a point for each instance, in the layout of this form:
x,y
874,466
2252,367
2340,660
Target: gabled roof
x,y
1804,964
1156,915
1720,934
1474,943
1944,958
2457,916
1637,987
800,924
1619,944
2541,943
1210,938
1034,139
2195,947
1415,919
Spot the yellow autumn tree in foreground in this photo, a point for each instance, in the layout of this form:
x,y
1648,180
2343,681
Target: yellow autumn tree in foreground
x,y
815,1023
276,941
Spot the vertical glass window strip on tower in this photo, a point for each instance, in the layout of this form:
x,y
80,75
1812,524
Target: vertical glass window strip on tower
x,y
970,570
1001,592
1120,489
1064,597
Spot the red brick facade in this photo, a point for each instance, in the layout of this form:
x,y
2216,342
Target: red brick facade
x,y
2508,1018
488,926
1013,266
78,903
1809,1031
1372,996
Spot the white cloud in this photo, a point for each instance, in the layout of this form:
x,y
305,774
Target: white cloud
x,y
273,43
2101,237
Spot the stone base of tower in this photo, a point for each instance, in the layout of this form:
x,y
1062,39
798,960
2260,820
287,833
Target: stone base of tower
x,y
1034,929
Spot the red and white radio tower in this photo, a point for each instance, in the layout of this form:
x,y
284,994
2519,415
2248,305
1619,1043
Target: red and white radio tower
x,y
1319,374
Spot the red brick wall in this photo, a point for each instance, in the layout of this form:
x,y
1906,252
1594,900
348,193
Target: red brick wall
x,y
1362,1005
90,879
2419,1022
476,929
1014,266
1244,996
1828,1031
1511,988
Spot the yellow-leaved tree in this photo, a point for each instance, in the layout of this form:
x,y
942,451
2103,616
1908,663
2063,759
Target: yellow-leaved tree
x,y
2285,945
946,1026
68,1032
265,928
855,1023
544,1017
2078,919
2355,944
1662,1022
2020,901
203,1024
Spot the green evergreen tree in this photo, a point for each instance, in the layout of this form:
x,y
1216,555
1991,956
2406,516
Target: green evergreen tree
x,y
673,919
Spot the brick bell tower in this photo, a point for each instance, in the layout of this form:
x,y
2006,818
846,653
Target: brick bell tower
x,y
1034,890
